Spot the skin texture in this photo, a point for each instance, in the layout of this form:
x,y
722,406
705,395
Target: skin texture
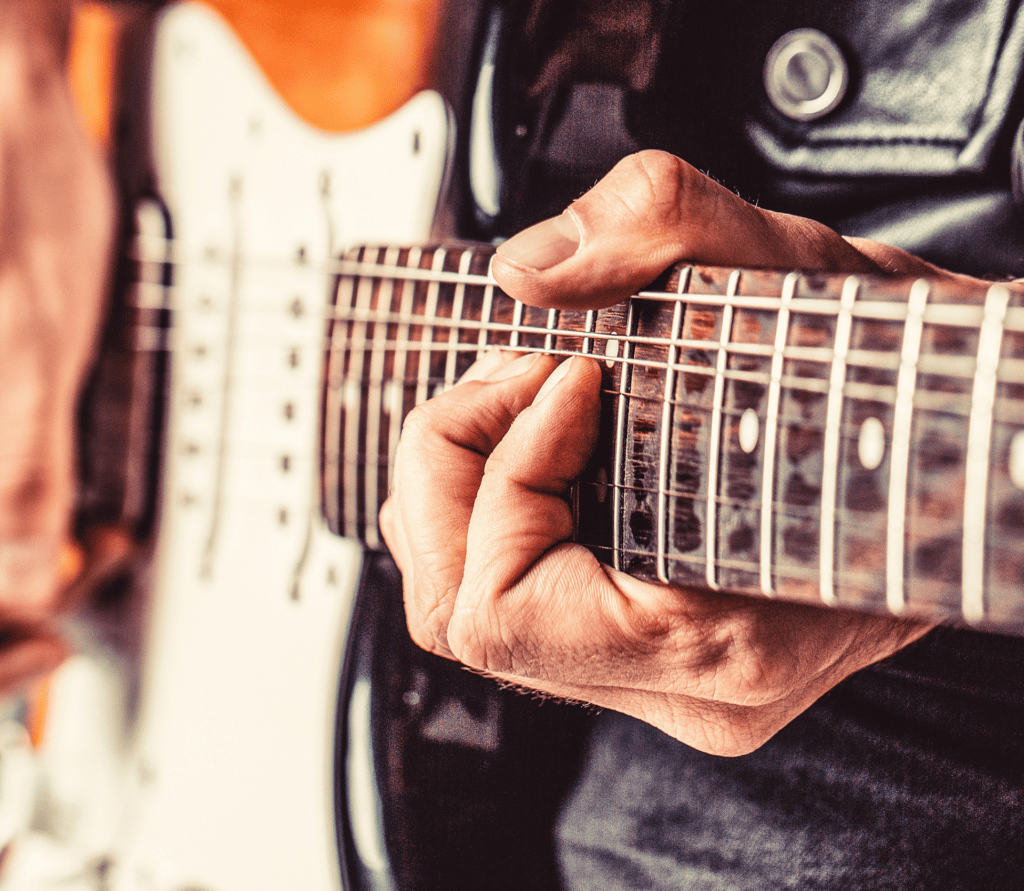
x,y
479,519
56,219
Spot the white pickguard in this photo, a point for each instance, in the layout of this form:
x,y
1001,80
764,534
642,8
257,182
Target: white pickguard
x,y
227,780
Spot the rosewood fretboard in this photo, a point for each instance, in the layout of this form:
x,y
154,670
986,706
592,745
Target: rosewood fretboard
x,y
843,440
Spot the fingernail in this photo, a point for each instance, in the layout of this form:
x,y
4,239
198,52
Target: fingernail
x,y
552,381
487,364
518,366
544,245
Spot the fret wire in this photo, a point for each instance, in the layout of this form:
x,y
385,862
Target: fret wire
x,y
485,321
335,377
899,460
427,329
979,447
549,338
457,310
625,385
793,572
352,397
408,294
517,324
830,451
771,434
666,422
374,403
715,435
589,328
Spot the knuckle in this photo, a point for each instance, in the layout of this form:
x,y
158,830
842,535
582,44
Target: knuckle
x,y
418,423
426,628
480,644
653,181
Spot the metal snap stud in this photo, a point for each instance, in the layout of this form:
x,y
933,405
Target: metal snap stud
x,y
805,74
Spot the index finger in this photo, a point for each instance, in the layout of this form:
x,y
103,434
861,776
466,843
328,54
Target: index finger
x,y
440,463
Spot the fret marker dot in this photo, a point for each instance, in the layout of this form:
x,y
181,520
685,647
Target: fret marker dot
x,y
393,397
352,393
1017,459
602,485
750,430
871,443
611,350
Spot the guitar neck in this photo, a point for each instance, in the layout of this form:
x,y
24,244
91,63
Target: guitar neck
x,y
843,440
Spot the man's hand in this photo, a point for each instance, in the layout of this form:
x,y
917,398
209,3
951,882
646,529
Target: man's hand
x,y
56,219
479,519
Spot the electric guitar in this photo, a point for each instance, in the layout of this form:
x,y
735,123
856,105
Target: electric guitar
x,y
237,211
850,441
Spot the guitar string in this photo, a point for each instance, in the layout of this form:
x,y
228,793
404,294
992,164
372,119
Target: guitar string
x,y
939,399
954,314
557,332
1013,369
854,534
934,363
192,445
962,366
855,523
951,366
796,353
162,251
948,368
939,314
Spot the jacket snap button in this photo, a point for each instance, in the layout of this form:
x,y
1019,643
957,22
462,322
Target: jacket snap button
x,y
805,74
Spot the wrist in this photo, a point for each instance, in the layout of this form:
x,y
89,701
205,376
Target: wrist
x,y
41,29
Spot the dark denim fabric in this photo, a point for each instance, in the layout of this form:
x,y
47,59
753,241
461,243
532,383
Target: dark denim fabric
x,y
909,774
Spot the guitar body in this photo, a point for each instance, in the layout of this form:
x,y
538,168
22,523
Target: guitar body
x,y
248,712
251,595
274,727
223,776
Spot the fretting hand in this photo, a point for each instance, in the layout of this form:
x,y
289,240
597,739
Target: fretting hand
x,y
479,520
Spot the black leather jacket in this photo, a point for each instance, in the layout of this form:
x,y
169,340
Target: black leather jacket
x,y
917,154
909,774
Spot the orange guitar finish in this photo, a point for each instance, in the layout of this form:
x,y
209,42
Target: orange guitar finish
x,y
339,64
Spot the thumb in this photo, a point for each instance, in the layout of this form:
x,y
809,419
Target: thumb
x,y
650,211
